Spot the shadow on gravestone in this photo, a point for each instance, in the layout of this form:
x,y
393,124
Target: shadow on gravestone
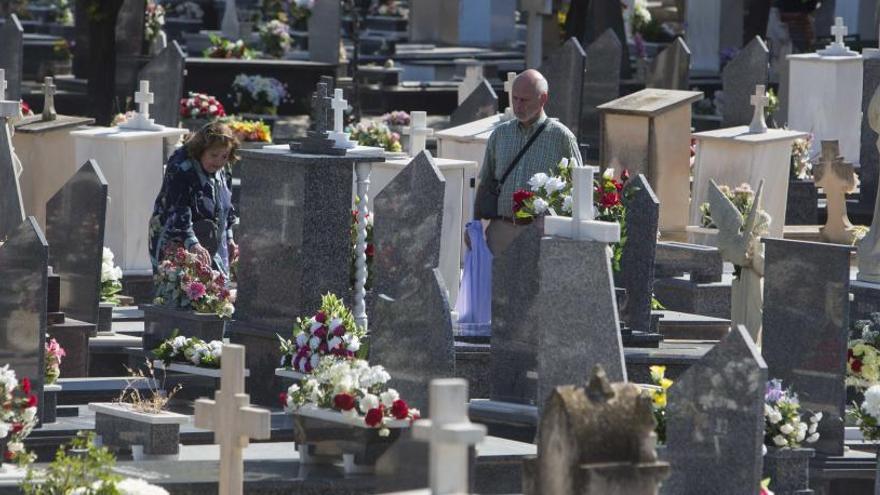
x,y
481,103
11,206
806,327
564,71
411,325
601,16
75,231
739,77
23,300
671,67
636,273
12,55
601,84
166,73
715,420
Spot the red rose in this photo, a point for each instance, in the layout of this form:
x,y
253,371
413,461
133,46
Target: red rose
x,y
370,250
283,398
339,331
520,196
17,427
343,402
610,199
320,317
856,365
624,176
617,185
320,332
26,385
32,401
374,416
399,409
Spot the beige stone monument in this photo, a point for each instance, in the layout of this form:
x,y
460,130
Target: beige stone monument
x,y
837,178
232,419
648,132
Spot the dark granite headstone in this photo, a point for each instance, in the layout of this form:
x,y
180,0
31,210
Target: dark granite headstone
x,y
715,420
165,73
603,15
637,260
739,77
671,67
324,29
601,83
481,103
869,160
411,326
75,232
24,265
12,55
554,313
564,70
129,46
806,326
11,206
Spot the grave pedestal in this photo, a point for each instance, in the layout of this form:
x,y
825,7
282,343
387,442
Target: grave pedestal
x,y
789,470
825,98
46,151
732,156
455,172
133,164
648,132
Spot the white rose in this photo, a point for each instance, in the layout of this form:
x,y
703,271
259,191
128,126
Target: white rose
x,y
774,417
15,447
335,322
780,441
4,429
389,397
367,402
538,180
608,173
816,417
30,413
302,339
332,343
354,344
786,429
813,428
314,342
813,438
554,184
566,204
540,206
800,436
871,405
384,432
315,325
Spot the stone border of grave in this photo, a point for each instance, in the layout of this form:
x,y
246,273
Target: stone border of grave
x,y
125,411
315,412
192,369
160,323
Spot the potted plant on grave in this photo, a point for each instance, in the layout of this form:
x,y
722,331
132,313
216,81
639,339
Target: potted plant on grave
x,y
54,353
191,298
190,355
138,420
18,417
258,97
863,357
81,467
372,133
198,109
223,48
352,393
786,429
276,39
251,133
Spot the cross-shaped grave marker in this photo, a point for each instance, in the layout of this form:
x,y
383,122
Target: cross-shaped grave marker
x,y
837,47
49,100
536,10
759,101
144,99
339,106
8,108
418,132
450,433
582,224
232,419
836,178
141,120
508,88
473,74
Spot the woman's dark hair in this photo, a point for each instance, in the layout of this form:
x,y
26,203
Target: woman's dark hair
x,y
210,135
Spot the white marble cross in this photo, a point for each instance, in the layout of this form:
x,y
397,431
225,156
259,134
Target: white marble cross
x,y
759,100
339,106
837,47
418,132
536,10
450,433
473,74
232,419
581,225
141,120
49,100
508,88
144,99
838,30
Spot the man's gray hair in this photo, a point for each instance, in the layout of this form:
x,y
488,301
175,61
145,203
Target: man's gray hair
x,y
539,82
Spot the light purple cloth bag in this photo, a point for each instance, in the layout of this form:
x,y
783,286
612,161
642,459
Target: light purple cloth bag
x,y
474,304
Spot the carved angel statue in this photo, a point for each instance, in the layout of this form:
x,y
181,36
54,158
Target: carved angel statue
x,y
869,246
739,241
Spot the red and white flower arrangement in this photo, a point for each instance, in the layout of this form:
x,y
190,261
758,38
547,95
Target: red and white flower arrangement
x,y
332,331
183,281
26,109
54,353
18,415
355,389
201,106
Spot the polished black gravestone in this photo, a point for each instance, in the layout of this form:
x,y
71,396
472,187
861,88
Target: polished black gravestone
x,y
166,73
806,327
601,84
481,103
750,67
411,326
129,45
715,421
24,265
75,232
564,70
12,55
600,16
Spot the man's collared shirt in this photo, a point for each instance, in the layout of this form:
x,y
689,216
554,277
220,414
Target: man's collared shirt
x,y
555,143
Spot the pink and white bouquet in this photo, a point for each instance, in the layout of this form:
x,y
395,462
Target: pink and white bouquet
x,y
183,281
276,39
784,426
190,350
18,415
354,388
154,19
332,331
201,106
397,117
54,353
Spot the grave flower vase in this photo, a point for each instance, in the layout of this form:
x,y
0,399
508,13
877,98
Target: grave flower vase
x,y
788,470
145,435
160,323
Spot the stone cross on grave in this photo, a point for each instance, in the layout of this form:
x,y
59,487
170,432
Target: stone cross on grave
x,y
339,106
418,132
836,178
232,419
319,138
508,88
759,100
49,100
320,108
450,433
837,47
144,99
582,225
536,10
141,120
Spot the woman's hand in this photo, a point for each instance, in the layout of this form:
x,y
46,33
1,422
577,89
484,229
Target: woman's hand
x,y
203,255
233,250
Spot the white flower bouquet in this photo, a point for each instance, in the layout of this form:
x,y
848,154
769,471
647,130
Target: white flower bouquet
x,y
784,426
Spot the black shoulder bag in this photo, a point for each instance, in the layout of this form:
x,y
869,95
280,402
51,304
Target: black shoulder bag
x,y
489,190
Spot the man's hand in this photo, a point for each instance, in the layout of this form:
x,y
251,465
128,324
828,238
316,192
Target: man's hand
x,y
203,255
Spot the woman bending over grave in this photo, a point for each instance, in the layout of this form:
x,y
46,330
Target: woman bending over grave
x,y
194,207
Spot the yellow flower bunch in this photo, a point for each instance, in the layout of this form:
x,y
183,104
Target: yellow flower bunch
x,y
658,396
250,130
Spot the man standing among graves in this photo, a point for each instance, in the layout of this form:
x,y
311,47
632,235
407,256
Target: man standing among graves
x,y
517,150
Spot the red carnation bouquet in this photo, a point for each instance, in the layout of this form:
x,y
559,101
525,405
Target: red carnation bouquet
x,y
201,106
18,416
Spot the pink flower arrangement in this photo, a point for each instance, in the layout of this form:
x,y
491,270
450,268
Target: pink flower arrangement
x,y
54,353
183,281
201,106
332,331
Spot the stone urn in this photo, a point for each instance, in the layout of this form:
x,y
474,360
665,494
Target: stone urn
x,y
161,322
788,470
